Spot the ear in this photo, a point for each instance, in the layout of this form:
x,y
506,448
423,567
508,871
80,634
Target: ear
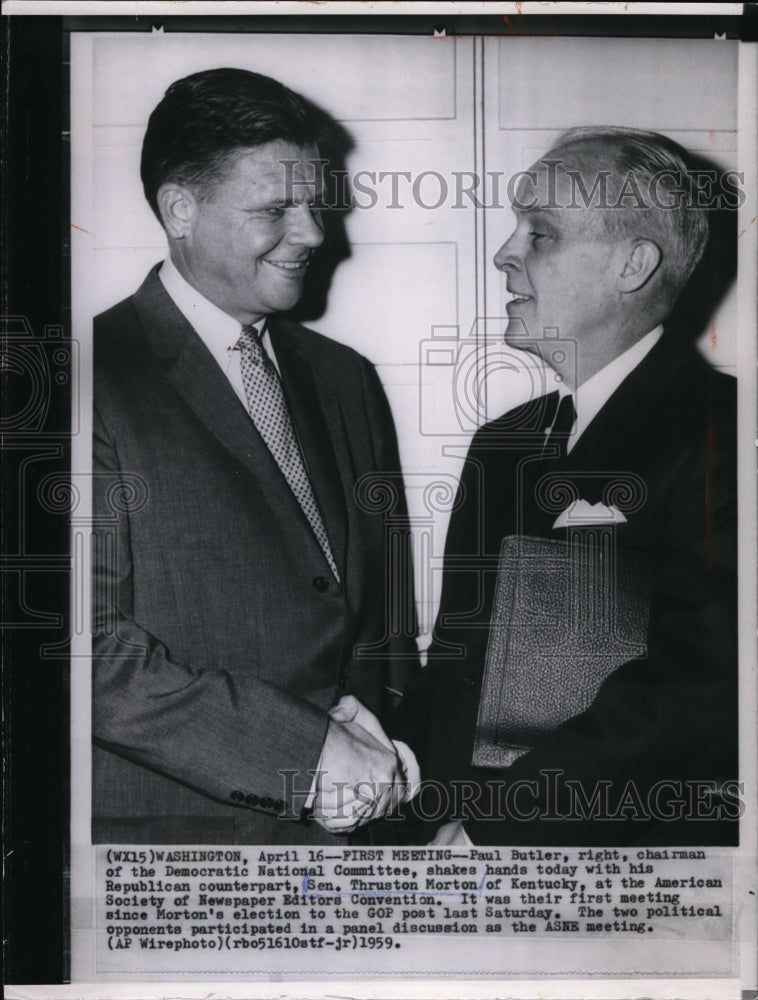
x,y
178,207
641,261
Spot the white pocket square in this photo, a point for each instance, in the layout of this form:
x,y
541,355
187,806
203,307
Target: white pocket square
x,y
580,512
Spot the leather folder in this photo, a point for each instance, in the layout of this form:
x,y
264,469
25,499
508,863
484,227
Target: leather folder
x,y
566,614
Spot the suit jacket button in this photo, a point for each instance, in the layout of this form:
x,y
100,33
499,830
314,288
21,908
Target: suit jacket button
x,y
320,584
236,796
469,681
266,802
252,800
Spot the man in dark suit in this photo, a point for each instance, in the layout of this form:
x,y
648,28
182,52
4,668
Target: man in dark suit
x,y
638,435
239,581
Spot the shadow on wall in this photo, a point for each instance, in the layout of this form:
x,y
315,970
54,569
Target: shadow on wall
x,y
717,269
336,247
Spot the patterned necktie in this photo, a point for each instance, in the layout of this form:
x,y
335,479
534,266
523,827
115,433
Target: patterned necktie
x,y
268,409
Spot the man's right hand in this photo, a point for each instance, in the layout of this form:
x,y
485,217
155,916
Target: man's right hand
x,y
361,775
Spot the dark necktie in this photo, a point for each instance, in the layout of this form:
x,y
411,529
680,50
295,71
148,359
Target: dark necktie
x,y
268,409
555,419
557,437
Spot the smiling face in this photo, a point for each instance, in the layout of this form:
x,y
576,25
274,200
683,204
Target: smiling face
x,y
245,244
561,269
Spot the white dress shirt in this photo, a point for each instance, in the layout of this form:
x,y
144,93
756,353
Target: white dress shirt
x,y
592,395
217,329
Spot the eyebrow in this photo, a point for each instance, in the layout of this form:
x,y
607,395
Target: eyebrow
x,y
277,202
537,211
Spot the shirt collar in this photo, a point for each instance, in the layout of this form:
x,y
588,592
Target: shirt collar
x,y
218,330
592,395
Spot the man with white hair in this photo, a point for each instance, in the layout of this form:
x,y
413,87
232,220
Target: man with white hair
x,y
639,431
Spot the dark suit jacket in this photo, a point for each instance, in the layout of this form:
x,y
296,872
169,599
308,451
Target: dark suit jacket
x,y
221,635
670,426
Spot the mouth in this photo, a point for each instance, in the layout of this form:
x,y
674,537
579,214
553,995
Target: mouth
x,y
517,299
289,268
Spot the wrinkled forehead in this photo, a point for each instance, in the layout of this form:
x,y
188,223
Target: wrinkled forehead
x,y
278,168
552,181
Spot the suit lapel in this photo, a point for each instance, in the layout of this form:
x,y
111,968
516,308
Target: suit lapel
x,y
193,372
530,461
641,401
615,447
316,428
615,440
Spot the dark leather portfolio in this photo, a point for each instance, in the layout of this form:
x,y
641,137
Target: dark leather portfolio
x,y
566,614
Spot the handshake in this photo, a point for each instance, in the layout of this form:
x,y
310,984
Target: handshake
x,y
362,775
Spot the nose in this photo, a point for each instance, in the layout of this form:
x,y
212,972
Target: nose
x,y
306,229
507,258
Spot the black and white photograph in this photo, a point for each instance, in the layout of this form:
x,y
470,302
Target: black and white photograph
x,y
410,513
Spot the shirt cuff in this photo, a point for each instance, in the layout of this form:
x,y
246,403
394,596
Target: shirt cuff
x,y
411,769
308,804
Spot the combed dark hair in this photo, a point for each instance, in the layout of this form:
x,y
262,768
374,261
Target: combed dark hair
x,y
652,160
205,117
